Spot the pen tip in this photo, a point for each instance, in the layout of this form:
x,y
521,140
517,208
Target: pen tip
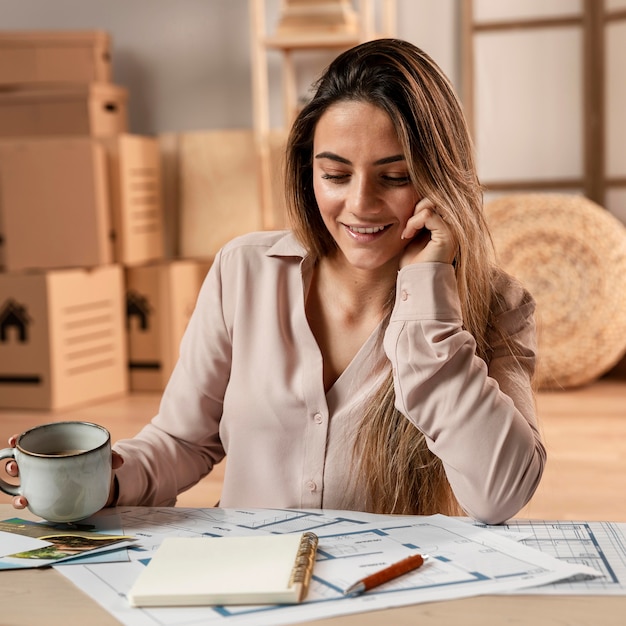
x,y
354,590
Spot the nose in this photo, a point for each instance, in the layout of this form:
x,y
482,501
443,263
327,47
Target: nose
x,y
362,199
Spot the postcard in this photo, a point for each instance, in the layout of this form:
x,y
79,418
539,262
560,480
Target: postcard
x,y
56,543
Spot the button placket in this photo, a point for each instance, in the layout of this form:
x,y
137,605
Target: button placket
x,y
315,459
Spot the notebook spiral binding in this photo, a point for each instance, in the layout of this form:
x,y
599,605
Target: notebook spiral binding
x,y
305,559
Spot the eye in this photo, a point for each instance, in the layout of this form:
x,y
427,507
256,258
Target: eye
x,y
396,180
335,177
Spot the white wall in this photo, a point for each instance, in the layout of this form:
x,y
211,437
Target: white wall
x,y
186,63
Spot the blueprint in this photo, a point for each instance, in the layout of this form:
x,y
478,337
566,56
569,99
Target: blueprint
x,y
464,560
600,545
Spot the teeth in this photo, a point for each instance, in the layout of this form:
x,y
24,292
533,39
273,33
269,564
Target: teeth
x,y
367,231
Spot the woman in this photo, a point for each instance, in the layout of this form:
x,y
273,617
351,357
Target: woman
x,y
373,358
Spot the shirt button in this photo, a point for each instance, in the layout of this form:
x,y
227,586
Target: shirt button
x,y
318,418
404,295
311,486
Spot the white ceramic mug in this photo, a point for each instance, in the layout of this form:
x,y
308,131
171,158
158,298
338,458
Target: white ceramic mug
x,y
64,469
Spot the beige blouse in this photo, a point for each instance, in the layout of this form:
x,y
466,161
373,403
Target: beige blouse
x,y
249,386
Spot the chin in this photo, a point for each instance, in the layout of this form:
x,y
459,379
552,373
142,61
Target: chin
x,y
371,264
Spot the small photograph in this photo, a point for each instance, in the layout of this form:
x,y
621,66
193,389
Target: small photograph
x,y
62,543
65,545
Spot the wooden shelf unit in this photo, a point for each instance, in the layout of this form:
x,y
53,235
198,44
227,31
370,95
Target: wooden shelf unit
x,y
358,26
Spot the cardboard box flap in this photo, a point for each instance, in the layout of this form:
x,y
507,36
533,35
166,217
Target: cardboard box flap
x,y
65,38
64,92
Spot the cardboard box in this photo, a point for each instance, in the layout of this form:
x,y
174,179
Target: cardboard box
x,y
40,57
136,198
204,265
54,203
62,337
317,17
97,109
218,191
80,202
160,299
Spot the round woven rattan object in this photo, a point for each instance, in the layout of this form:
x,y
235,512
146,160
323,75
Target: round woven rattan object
x,y
570,253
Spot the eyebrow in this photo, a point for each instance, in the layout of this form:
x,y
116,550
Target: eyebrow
x,y
335,157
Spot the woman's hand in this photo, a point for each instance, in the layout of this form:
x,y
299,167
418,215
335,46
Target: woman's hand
x,y
20,502
117,460
432,240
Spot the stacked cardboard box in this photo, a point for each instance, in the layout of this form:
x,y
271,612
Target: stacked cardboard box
x,y
160,298
317,17
80,213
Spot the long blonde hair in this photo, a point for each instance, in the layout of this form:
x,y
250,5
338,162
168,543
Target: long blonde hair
x,y
394,465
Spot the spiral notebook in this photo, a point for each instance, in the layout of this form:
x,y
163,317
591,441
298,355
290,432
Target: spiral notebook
x,y
201,571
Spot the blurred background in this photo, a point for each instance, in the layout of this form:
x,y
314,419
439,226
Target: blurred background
x,y
184,153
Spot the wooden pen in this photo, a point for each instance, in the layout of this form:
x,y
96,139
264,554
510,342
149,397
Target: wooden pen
x,y
384,575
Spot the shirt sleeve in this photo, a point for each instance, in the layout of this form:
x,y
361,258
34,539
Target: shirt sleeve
x,y
181,444
479,420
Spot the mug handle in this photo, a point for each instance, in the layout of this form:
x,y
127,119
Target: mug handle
x,y
12,490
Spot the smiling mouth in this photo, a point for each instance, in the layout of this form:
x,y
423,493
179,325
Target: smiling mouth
x,y
367,230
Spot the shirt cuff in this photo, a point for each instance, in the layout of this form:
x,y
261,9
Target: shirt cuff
x,y
427,291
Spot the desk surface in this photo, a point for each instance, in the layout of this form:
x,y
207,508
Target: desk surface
x,y
42,596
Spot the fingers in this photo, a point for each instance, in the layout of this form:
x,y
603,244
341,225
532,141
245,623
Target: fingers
x,y
20,502
431,239
426,216
117,460
417,221
11,468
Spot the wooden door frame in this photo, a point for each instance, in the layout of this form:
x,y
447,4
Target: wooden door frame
x,y
592,21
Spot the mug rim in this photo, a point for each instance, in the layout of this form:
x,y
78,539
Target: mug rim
x,y
53,424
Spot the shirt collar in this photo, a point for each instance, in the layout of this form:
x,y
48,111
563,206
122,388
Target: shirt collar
x,y
288,245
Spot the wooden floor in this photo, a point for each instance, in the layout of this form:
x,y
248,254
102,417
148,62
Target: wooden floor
x,y
584,431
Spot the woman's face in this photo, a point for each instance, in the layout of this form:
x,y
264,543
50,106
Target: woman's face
x,y
361,183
